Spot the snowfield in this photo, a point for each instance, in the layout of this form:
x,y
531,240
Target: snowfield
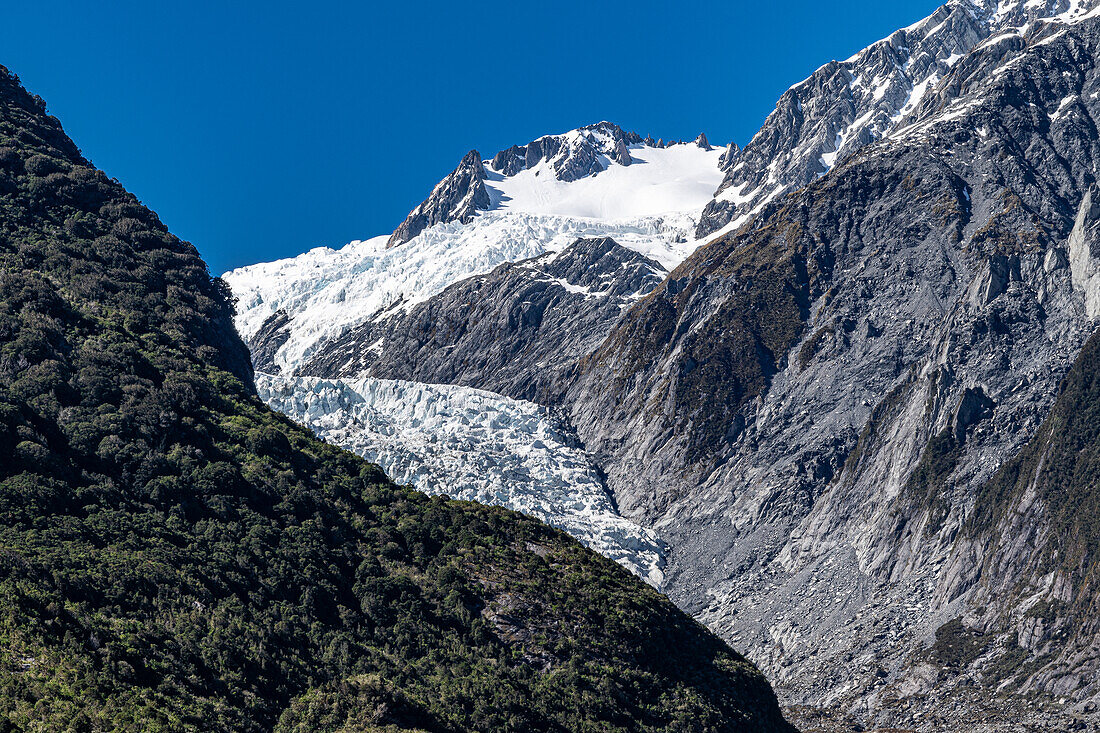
x,y
474,445
679,178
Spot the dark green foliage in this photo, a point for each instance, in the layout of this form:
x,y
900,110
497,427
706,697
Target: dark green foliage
x,y
173,555
956,646
720,368
812,344
927,482
1007,665
1063,463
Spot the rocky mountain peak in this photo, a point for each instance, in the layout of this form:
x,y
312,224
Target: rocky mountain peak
x,y
845,105
567,157
729,156
572,155
457,197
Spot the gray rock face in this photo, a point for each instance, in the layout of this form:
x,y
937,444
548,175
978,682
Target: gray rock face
x,y
458,197
810,408
265,343
571,156
518,330
1084,253
847,104
729,157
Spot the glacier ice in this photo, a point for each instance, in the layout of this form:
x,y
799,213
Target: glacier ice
x,y
474,445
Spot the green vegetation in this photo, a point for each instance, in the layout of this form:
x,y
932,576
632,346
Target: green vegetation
x,y
811,345
956,646
1007,665
870,437
764,278
1063,464
175,556
928,481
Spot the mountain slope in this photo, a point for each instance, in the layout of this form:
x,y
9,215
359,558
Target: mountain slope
x,y
812,409
809,409
649,205
489,330
177,556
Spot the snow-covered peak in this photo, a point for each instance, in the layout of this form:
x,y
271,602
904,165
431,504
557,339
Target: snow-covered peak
x,y
552,174
845,105
458,197
649,205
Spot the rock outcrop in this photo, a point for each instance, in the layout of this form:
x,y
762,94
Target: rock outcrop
x,y
848,104
458,197
811,408
571,156
518,330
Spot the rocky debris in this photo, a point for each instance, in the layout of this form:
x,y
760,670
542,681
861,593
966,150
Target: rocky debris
x,y
997,273
458,197
962,707
518,330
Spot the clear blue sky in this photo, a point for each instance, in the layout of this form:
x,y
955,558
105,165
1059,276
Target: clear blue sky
x,y
260,130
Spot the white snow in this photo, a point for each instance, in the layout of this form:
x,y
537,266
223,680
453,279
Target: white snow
x,y
1066,102
828,159
680,178
474,445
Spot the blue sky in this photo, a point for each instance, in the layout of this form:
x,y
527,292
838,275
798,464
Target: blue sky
x,y
261,130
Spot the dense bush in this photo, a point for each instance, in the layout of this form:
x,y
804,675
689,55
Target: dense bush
x,y
173,555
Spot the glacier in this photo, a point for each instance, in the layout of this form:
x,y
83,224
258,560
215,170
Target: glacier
x,y
474,445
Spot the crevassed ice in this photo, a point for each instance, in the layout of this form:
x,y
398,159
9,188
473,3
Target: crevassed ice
x,y
328,291
474,445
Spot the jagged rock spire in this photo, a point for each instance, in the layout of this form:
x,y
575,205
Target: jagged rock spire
x,y
457,197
